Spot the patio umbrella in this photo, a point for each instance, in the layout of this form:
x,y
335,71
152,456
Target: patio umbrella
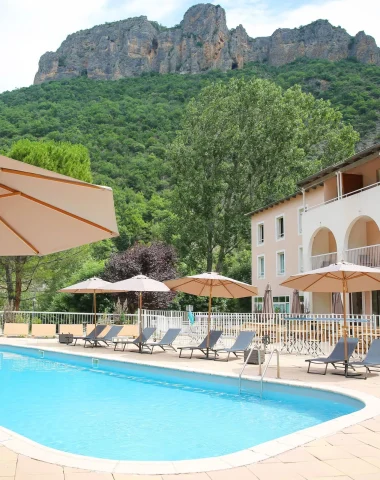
x,y
140,284
211,285
296,302
337,304
342,276
43,212
92,285
268,300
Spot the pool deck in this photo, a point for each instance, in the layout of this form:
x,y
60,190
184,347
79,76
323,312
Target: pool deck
x,y
352,453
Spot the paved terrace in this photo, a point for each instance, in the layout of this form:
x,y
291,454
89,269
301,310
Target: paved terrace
x,y
351,454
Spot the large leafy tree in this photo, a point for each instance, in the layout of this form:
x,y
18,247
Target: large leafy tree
x,y
156,261
21,275
244,144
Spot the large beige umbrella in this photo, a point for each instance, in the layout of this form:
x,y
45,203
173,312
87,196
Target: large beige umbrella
x,y
43,212
339,277
211,285
92,285
141,284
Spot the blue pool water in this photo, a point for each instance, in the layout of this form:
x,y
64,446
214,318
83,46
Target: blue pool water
x,y
133,412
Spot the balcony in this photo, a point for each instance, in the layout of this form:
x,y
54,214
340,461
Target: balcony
x,y
367,256
324,260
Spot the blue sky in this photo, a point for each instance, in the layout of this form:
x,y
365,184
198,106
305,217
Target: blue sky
x,y
29,28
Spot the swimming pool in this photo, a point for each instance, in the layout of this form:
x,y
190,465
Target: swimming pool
x,y
125,411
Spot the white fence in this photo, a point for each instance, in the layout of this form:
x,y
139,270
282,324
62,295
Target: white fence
x,y
309,334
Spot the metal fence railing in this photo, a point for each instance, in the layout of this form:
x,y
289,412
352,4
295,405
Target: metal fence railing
x,y
368,256
312,334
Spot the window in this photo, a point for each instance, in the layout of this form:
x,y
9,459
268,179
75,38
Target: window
x,y
280,263
300,259
260,266
300,218
260,234
356,303
280,227
281,304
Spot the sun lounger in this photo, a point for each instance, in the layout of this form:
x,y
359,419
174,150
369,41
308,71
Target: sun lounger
x,y
94,333
166,343
242,342
106,339
44,330
214,337
138,342
16,329
75,329
372,360
336,356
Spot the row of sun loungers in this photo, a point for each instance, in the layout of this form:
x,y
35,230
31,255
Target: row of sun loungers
x,y
336,358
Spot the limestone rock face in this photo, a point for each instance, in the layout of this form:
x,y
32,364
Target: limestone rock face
x,y
200,43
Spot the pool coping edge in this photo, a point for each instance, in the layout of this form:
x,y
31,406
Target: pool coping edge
x,y
25,446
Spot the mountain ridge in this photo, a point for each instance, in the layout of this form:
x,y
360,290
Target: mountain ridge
x,y
200,43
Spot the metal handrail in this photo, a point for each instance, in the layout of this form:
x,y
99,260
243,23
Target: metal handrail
x,y
262,374
266,367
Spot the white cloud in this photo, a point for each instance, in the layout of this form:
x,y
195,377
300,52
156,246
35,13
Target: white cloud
x,y
262,19
31,27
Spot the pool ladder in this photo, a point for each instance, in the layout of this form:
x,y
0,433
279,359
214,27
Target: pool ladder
x,y
261,373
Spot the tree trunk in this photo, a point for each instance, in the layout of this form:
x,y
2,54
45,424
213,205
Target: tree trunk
x,y
8,278
20,262
209,252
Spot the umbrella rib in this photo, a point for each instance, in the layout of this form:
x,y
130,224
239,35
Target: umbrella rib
x,y
313,283
11,194
225,286
245,288
204,286
59,210
370,276
28,244
52,179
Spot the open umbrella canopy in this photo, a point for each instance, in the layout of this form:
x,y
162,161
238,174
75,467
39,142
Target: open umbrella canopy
x,y
43,212
212,284
331,279
91,285
139,283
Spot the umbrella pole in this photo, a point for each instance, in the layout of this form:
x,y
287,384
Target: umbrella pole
x,y
345,325
209,321
140,317
94,308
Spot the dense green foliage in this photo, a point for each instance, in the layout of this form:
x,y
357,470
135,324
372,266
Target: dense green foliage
x,y
242,145
128,125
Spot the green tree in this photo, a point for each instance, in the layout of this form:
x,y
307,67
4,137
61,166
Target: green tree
x,y
20,274
244,144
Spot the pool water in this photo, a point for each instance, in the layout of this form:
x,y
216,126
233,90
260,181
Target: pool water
x,y
129,412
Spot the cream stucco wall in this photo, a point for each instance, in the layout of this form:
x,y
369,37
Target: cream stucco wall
x,y
350,222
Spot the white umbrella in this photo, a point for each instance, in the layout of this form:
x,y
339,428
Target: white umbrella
x,y
92,285
43,212
141,284
338,277
210,285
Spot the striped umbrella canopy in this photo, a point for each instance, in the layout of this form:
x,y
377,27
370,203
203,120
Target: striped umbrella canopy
x,y
268,300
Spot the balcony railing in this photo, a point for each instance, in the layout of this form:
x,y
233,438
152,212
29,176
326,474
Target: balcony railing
x,y
367,256
324,260
367,187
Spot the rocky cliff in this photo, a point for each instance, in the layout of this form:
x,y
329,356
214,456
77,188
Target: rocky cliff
x,y
201,42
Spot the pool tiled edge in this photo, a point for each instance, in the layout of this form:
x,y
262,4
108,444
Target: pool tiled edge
x,y
27,447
